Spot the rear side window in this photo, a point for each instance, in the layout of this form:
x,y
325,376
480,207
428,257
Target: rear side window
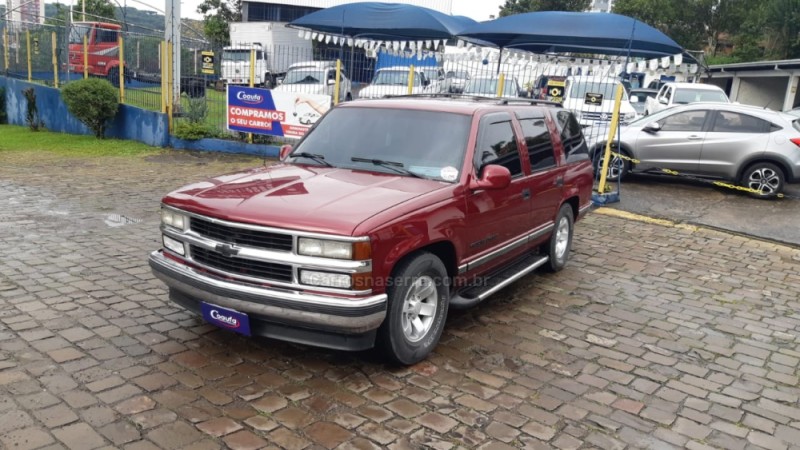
x,y
498,145
538,143
731,122
575,148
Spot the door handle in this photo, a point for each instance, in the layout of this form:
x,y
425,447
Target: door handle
x,y
694,137
559,181
526,194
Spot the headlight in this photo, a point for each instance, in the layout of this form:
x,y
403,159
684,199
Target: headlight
x,y
325,279
174,219
325,248
174,245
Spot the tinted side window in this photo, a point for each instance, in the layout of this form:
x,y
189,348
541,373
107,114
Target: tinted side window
x,y
685,121
731,122
575,148
497,145
537,140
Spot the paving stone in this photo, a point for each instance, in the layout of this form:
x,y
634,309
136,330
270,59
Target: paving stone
x,y
220,426
327,434
79,436
26,438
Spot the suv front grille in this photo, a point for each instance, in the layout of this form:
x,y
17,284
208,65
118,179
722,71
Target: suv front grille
x,y
596,116
240,266
241,236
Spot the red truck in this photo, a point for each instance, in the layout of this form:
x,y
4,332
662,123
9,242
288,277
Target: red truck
x,y
387,213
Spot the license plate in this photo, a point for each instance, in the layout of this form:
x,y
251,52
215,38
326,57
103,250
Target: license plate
x,y
226,318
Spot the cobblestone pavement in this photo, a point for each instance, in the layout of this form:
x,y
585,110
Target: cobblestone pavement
x,y
655,336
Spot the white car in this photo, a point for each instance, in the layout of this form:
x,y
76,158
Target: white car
x,y
315,77
672,94
393,81
592,100
487,87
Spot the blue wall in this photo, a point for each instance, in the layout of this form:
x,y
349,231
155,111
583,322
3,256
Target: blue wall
x,y
130,122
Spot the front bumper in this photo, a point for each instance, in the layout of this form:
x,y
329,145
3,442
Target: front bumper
x,y
321,320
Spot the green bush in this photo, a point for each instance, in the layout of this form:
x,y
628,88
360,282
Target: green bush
x,y
3,113
196,110
192,131
93,101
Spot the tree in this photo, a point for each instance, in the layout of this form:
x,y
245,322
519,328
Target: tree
x,y
217,15
522,6
96,10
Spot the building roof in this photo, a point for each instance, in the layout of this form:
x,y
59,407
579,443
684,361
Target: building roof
x,y
782,64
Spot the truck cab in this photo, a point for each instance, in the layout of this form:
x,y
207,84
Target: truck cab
x,y
316,77
235,65
102,42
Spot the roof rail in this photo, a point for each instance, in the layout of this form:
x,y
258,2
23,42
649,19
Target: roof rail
x,y
480,98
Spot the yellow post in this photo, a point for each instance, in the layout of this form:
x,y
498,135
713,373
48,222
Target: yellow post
x,y
411,80
55,59
612,133
162,51
28,40
121,70
170,87
338,80
85,58
501,84
252,83
5,48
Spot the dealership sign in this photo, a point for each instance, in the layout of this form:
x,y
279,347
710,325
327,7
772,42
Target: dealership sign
x,y
263,111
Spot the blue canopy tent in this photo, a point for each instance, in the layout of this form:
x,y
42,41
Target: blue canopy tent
x,y
383,21
574,32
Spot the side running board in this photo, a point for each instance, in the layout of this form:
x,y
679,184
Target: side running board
x,y
472,295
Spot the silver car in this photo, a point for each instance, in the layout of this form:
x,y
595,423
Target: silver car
x,y
754,147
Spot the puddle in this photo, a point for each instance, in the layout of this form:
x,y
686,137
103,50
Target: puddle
x,y
118,220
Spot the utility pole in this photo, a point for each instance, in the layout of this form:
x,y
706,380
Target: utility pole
x,y
172,34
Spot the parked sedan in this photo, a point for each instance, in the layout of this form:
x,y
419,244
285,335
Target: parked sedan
x,y
757,148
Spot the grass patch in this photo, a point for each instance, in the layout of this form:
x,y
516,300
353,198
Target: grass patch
x,y
21,139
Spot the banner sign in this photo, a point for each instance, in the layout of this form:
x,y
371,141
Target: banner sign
x,y
208,63
264,111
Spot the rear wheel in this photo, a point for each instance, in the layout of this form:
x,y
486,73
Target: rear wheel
x,y
561,240
617,167
113,76
418,302
766,178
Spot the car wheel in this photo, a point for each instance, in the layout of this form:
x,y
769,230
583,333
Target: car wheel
x,y
418,302
766,178
348,97
617,167
561,240
113,76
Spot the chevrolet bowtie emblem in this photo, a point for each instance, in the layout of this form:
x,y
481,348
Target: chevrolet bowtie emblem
x,y
227,250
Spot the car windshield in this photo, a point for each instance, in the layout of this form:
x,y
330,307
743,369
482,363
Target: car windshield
x,y
579,89
684,96
77,32
236,55
304,76
428,144
655,117
460,75
393,78
488,86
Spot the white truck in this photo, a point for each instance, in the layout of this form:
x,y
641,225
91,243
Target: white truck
x,y
672,94
276,48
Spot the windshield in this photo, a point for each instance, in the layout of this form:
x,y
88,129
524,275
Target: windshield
x,y
460,75
77,32
236,55
394,78
425,142
488,86
304,76
579,88
684,96
655,117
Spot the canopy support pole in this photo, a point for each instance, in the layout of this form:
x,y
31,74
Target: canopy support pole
x,y
499,60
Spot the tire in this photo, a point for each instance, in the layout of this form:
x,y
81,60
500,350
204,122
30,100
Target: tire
x,y
113,76
561,240
411,330
765,177
618,168
348,97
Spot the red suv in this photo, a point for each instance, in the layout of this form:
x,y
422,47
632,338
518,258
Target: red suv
x,y
388,213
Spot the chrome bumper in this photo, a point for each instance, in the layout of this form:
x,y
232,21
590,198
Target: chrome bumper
x,y
341,315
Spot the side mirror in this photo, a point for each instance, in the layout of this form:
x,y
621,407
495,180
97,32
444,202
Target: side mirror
x,y
493,177
331,82
284,152
662,100
652,127
426,83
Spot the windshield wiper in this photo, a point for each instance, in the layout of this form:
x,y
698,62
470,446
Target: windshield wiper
x,y
312,156
393,165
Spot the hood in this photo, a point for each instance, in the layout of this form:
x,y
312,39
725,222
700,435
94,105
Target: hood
x,y
305,198
373,91
308,88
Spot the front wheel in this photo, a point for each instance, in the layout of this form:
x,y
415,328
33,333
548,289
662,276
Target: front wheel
x,y
418,303
113,76
617,167
766,178
561,240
